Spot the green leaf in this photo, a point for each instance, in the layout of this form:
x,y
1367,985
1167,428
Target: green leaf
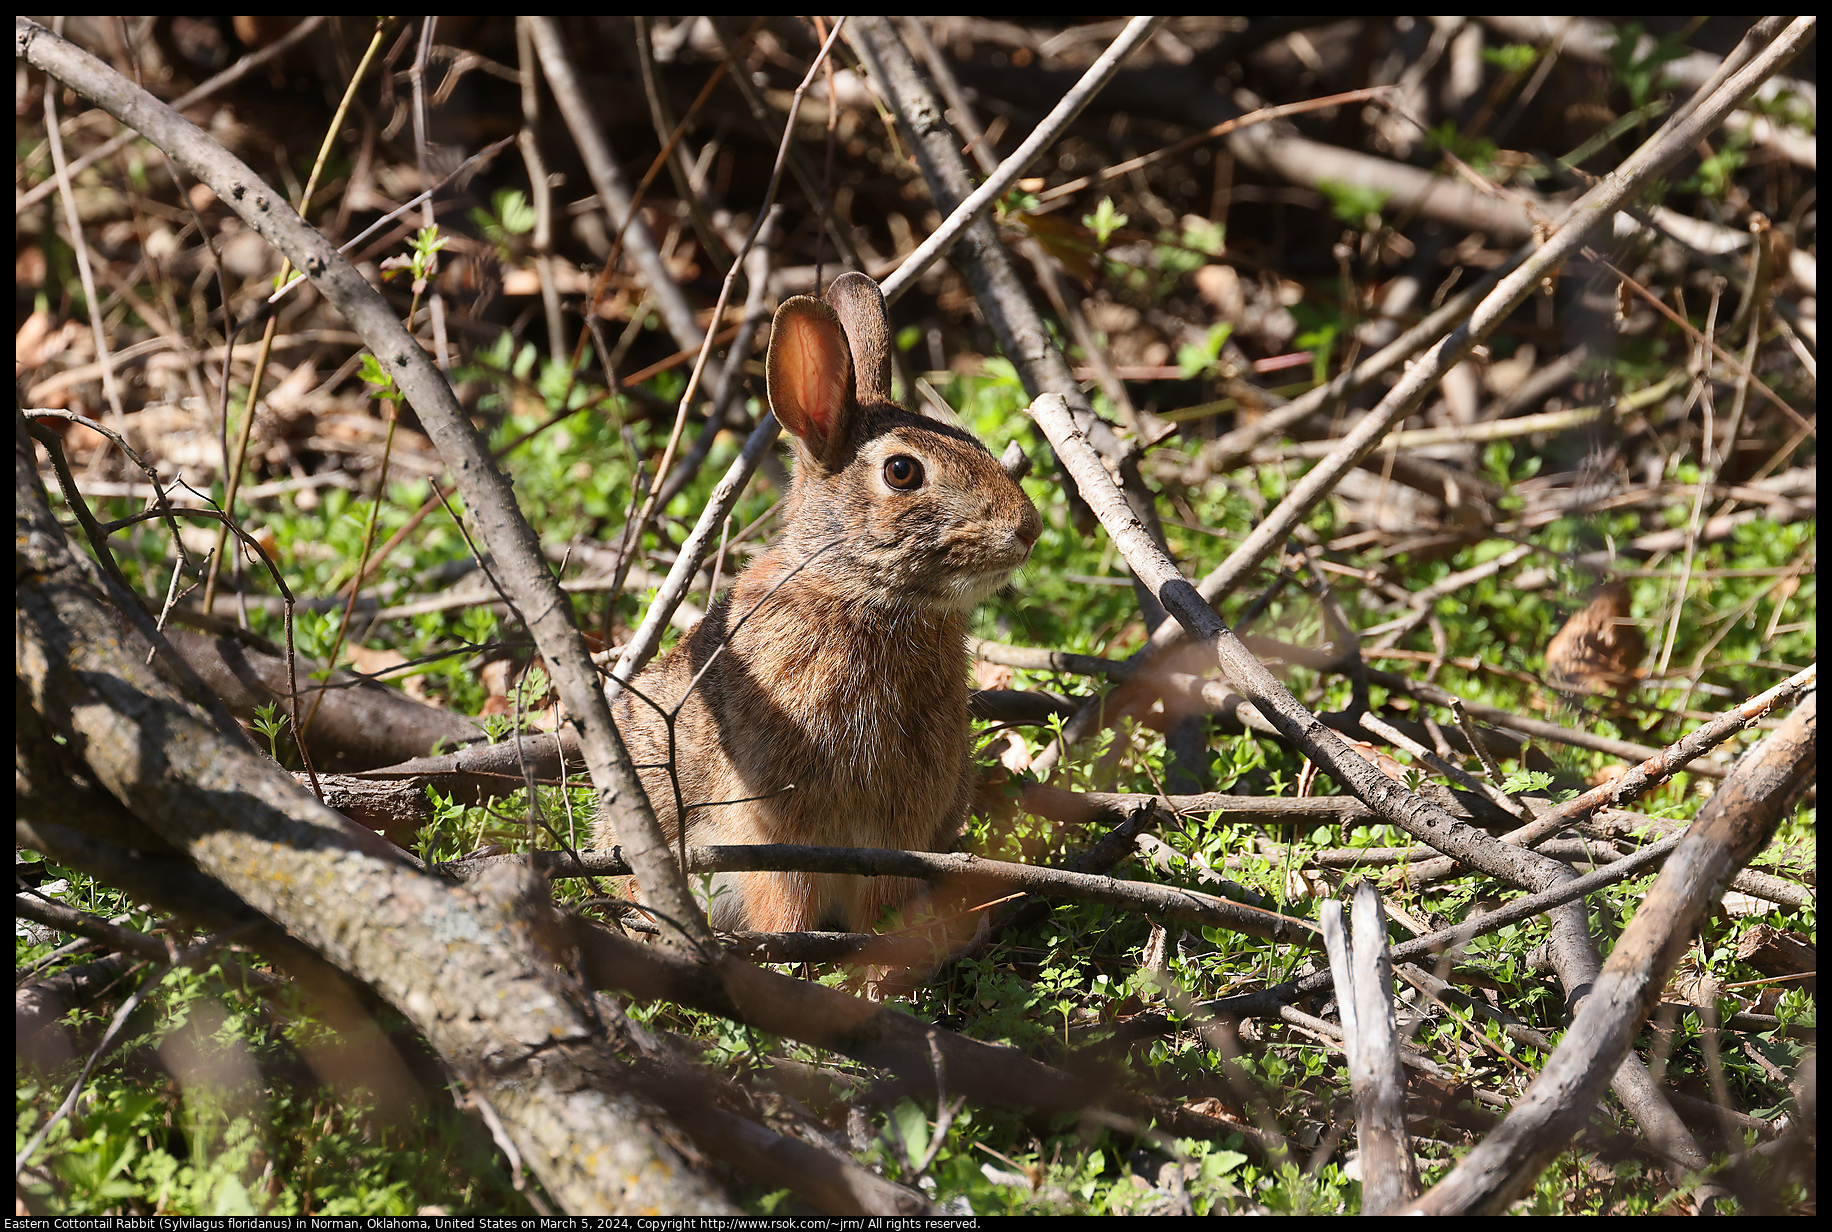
x,y
1194,360
1204,236
1355,204
1513,58
913,1126
1526,780
372,373
1104,221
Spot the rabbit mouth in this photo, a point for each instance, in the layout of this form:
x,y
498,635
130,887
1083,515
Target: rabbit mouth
x,y
971,588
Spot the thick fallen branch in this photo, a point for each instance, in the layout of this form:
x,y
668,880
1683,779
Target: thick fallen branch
x,y
875,1035
494,1007
1370,1035
489,499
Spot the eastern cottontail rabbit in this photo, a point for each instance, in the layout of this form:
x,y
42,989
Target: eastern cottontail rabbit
x,y
836,712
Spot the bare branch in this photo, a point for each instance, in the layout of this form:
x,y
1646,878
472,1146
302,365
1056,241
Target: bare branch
x,y
487,492
942,238
1734,824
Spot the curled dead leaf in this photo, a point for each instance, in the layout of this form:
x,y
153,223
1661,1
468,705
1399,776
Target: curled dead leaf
x,y
1608,774
1386,764
992,675
1599,649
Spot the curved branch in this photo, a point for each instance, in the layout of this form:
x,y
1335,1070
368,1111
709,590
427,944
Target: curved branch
x,y
488,495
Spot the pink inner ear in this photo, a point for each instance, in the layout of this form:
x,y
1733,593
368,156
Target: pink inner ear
x,y
817,370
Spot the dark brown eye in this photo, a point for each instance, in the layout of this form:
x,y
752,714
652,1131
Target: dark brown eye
x,y
903,473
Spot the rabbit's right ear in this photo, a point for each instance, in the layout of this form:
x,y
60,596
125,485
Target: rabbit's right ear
x,y
809,377
858,302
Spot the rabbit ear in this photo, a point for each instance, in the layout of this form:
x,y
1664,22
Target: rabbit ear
x,y
860,306
809,377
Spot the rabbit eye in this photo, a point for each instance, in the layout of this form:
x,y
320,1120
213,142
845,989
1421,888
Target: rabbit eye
x,y
903,473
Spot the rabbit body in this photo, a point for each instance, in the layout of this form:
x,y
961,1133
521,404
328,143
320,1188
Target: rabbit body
x,y
832,708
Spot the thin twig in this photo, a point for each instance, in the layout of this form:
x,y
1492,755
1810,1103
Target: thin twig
x,y
764,216
1060,117
229,76
608,180
1670,761
66,192
1477,744
642,644
238,455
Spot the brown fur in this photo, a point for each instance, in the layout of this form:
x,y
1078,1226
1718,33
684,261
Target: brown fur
x,y
836,712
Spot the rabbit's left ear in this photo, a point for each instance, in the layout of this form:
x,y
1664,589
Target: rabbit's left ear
x,y
809,377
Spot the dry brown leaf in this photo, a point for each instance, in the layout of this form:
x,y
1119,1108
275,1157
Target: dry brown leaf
x,y
1607,774
1599,649
1220,288
38,340
1065,241
1781,955
1691,983
1390,766
991,675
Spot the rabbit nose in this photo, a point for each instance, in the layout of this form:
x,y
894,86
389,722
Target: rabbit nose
x,y
1030,526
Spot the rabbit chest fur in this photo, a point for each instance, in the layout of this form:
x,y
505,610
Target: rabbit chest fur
x,y
831,699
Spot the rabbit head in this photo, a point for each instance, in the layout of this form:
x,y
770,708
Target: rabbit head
x,y
900,509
